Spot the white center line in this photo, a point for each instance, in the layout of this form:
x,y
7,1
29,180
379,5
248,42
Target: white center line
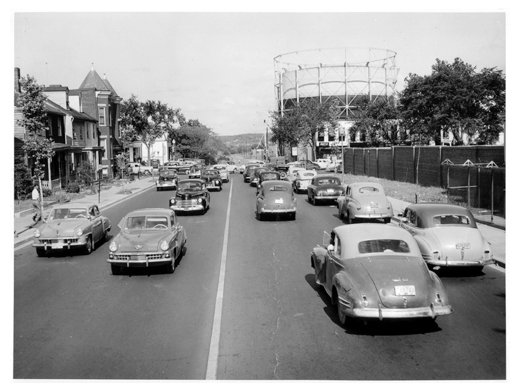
x,y
211,370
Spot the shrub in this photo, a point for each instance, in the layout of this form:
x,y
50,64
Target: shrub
x,y
46,192
72,187
23,183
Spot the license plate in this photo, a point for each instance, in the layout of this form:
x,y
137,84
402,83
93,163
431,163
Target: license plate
x,y
280,201
330,191
141,257
459,246
405,290
57,245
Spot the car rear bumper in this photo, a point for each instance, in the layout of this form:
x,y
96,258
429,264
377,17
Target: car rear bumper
x,y
381,313
279,210
331,197
453,263
372,215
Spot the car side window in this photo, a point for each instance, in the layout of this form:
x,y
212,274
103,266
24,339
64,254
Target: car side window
x,y
337,247
412,217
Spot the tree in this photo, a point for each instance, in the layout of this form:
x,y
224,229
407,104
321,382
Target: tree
x,y
301,123
377,121
454,98
22,179
37,147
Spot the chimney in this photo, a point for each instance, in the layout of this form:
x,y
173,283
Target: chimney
x,y
17,87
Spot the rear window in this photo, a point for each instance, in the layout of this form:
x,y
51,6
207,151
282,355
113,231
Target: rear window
x,y
307,174
383,245
328,181
368,190
270,176
451,220
278,188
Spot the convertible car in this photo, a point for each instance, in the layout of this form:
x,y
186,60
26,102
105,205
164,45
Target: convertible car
x,y
302,180
148,237
324,188
275,198
76,225
447,235
192,195
167,179
212,178
377,273
365,200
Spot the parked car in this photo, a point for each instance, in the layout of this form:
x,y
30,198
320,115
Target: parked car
x,y
192,195
323,163
255,175
167,179
364,200
275,198
136,168
331,167
148,238
324,188
377,274
194,171
302,180
248,171
447,235
212,179
71,226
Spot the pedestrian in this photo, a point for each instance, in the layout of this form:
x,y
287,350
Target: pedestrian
x,y
36,203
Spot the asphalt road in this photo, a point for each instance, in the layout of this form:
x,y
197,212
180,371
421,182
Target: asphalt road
x,y
74,320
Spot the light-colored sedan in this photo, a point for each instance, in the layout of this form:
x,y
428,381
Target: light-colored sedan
x,y
75,225
323,163
331,167
365,200
447,235
148,238
222,169
377,274
302,180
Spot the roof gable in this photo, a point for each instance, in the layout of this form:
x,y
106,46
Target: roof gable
x,y
94,81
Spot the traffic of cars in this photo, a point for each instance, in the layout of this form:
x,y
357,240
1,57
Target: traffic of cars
x,y
374,269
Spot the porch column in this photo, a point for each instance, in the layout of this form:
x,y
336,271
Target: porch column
x,y
49,161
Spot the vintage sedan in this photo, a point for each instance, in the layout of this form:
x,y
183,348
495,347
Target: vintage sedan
x,y
283,169
324,188
377,274
447,235
365,200
275,198
248,171
212,178
148,238
71,226
167,179
222,169
331,167
255,175
302,180
191,196
323,163
195,171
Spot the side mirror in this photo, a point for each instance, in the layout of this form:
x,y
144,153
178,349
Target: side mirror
x,y
330,248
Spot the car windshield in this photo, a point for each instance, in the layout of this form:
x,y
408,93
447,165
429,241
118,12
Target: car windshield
x,y
270,176
190,186
368,190
451,220
210,172
68,213
307,174
328,181
383,245
147,222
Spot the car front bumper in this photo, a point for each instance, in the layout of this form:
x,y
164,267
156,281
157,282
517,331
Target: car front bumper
x,y
61,243
372,215
186,208
327,197
140,260
166,185
277,210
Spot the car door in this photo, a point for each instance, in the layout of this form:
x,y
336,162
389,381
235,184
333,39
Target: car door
x,y
332,261
97,223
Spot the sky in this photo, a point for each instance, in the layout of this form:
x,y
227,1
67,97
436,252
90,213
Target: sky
x,y
218,67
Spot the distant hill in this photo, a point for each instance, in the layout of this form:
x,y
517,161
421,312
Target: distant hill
x,y
250,140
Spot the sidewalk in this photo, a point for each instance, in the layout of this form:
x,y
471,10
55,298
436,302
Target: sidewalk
x,y
24,226
494,232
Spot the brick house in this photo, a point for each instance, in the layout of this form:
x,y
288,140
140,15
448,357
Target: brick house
x,y
97,98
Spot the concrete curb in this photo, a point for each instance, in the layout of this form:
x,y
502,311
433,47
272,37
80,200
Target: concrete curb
x,y
23,241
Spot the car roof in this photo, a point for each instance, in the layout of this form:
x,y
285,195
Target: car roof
x,y
150,212
356,233
77,204
191,180
276,182
426,211
327,176
363,184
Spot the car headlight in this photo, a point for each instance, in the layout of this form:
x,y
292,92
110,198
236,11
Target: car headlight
x,y
164,245
37,233
199,200
78,231
113,246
